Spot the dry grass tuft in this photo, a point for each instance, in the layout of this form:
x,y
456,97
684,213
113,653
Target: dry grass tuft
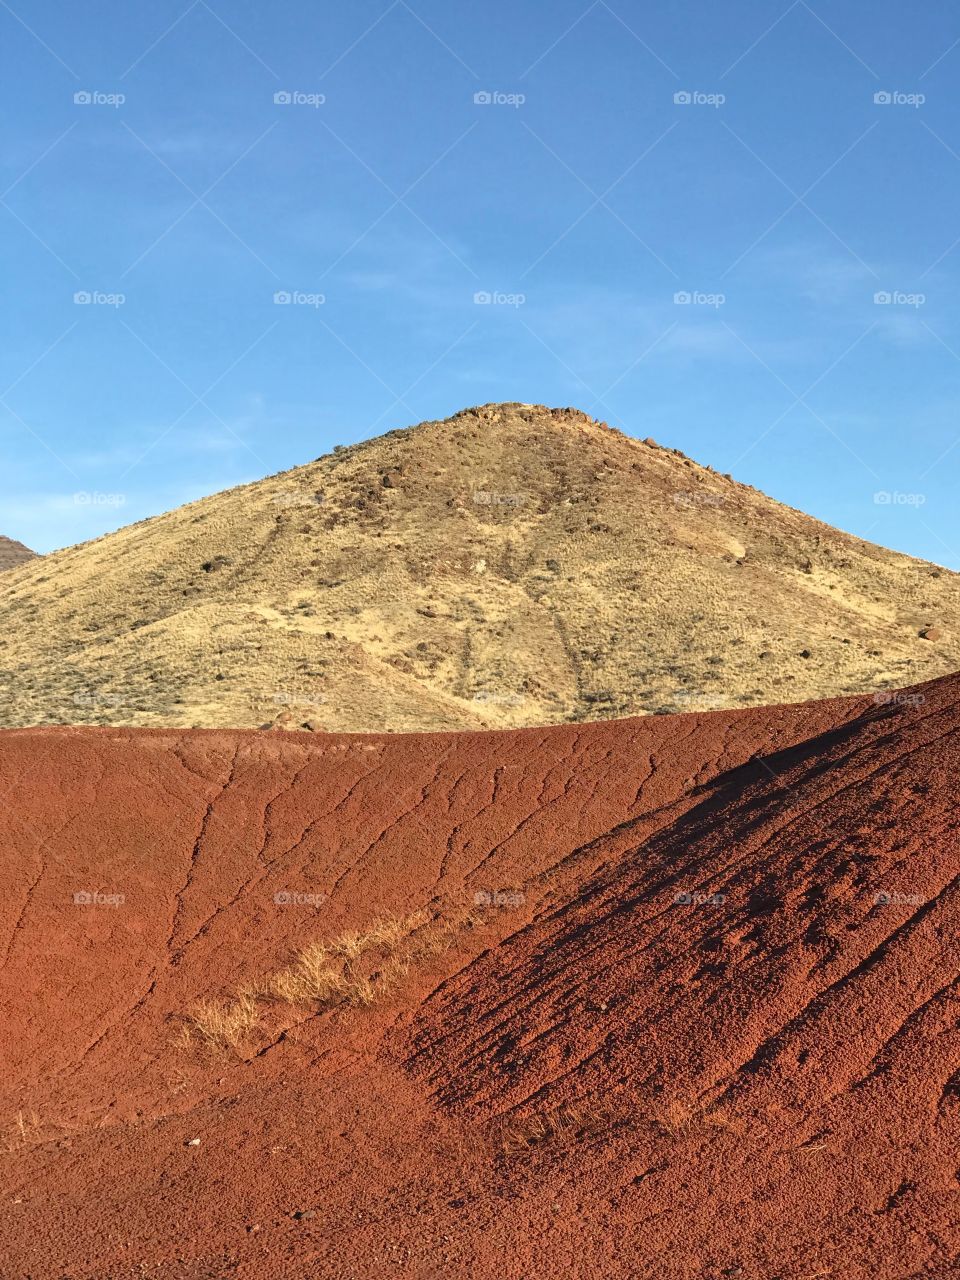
x,y
676,1118
354,968
516,1135
23,1131
357,968
222,1024
679,1119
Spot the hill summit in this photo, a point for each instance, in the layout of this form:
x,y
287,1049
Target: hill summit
x,y
511,565
13,553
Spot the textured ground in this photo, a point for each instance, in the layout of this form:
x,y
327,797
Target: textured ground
x,y
513,565
703,1022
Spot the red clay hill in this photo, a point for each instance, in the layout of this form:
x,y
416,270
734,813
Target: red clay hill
x,y
671,997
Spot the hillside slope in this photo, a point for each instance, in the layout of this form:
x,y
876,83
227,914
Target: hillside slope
x,y
685,1003
14,553
513,565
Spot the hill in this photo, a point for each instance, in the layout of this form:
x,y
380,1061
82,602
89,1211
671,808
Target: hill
x,y
512,565
673,997
13,553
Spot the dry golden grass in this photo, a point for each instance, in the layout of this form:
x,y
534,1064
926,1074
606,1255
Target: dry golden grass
x,y
518,1134
332,972
23,1131
512,565
676,1118
679,1118
222,1024
355,969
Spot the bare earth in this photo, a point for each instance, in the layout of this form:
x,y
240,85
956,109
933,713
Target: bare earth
x,y
671,998
513,565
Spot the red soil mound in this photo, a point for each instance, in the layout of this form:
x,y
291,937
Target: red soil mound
x,y
685,1002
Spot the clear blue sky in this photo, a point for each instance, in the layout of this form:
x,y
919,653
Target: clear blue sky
x,y
583,188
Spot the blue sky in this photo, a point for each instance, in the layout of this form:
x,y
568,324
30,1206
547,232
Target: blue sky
x,y
150,167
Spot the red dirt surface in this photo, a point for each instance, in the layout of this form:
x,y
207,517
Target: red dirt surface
x,y
705,1024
